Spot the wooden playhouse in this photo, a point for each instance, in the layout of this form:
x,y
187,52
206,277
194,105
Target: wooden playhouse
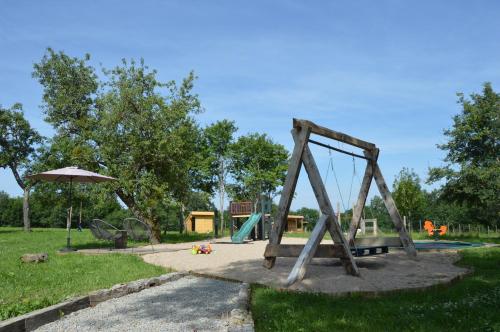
x,y
199,222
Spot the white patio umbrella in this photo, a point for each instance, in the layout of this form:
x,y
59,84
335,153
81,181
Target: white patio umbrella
x,y
70,174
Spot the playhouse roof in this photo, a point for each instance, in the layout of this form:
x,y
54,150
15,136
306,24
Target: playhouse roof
x,y
202,213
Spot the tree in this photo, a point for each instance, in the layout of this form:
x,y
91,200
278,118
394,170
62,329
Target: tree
x,y
442,212
219,137
10,210
408,194
130,126
472,169
17,147
258,167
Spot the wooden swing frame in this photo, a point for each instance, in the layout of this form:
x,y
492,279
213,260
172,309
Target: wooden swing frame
x,y
302,129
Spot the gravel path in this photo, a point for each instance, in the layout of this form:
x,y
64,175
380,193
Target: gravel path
x,y
188,304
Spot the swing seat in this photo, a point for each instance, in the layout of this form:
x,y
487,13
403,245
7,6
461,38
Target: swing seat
x,y
369,251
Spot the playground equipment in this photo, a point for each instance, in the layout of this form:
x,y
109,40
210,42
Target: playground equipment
x,y
247,228
255,228
433,230
369,225
445,245
302,129
199,222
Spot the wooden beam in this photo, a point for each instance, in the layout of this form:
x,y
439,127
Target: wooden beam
x,y
294,250
307,254
363,193
325,132
325,205
288,190
393,212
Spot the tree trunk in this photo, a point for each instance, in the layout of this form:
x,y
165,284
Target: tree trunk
x,y
155,225
221,205
26,209
155,230
181,219
26,189
221,195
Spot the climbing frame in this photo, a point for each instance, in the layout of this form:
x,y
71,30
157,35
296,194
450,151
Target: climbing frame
x,y
301,155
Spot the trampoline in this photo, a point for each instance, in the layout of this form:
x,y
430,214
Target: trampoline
x,y
443,245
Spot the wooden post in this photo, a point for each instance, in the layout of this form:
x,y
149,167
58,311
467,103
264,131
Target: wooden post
x,y
339,218
393,212
307,254
326,208
288,190
363,193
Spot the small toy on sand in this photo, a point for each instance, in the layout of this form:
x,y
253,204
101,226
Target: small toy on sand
x,y
201,249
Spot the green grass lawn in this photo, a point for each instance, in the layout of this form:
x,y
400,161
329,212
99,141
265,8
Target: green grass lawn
x,y
469,305
26,287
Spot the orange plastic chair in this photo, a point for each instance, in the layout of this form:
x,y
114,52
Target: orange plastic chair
x,y
429,227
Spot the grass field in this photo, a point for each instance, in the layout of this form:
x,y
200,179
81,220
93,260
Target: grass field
x,y
26,287
469,305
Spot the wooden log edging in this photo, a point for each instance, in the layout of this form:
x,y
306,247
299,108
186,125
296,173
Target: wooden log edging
x,y
37,318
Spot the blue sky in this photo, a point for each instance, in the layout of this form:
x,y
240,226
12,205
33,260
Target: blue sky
x,y
385,71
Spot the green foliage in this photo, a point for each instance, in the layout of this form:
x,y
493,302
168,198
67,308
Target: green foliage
x,y
465,306
377,210
11,210
130,126
69,90
17,141
408,195
95,204
218,139
472,170
258,167
444,212
27,287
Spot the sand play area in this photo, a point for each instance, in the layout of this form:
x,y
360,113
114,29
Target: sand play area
x,y
378,273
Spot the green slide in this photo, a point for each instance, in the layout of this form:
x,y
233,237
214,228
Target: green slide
x,y
246,228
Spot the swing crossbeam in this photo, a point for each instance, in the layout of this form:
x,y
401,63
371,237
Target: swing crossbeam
x,y
343,249
338,150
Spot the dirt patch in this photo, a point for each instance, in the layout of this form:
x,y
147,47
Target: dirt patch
x,y
379,273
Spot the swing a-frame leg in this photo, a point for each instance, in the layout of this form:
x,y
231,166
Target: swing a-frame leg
x,y
328,222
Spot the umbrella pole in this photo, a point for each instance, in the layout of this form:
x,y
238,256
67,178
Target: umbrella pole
x,y
68,238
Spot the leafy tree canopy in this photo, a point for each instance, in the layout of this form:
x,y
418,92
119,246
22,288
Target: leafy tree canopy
x,y
130,126
18,141
472,169
258,166
408,194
